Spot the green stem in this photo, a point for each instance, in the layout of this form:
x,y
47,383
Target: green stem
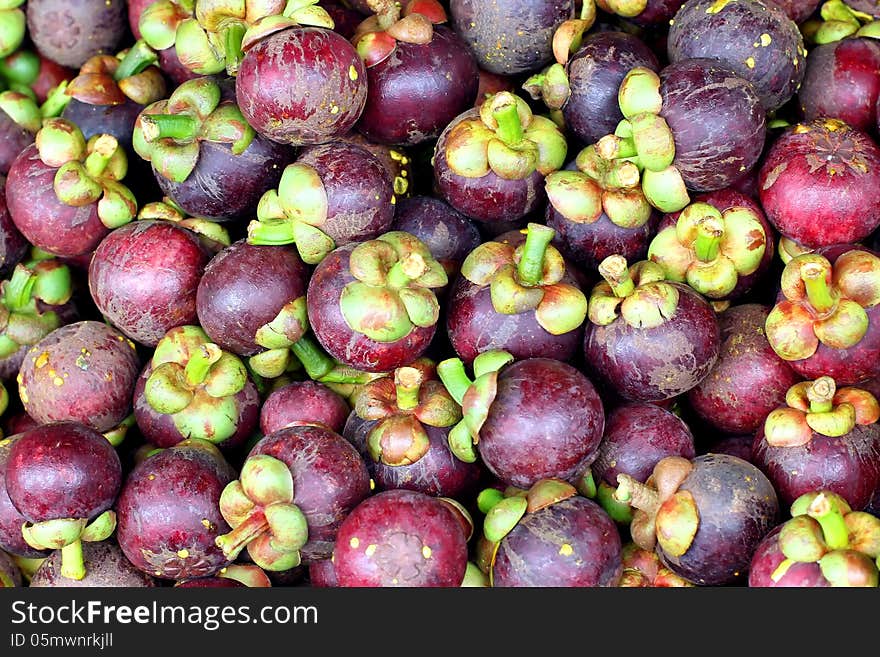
x,y
56,100
707,246
72,565
818,292
179,127
531,263
509,126
97,161
199,364
271,232
405,270
314,360
17,294
821,395
831,520
616,273
452,374
138,57
407,384
233,35
235,541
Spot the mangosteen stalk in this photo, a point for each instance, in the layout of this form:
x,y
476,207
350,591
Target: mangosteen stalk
x,y
821,395
199,364
707,245
103,150
138,57
616,273
831,520
233,36
17,294
179,127
407,384
55,102
406,270
819,293
636,494
453,375
531,263
234,542
509,126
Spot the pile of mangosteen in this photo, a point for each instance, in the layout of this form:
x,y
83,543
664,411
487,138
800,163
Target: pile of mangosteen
x,y
440,293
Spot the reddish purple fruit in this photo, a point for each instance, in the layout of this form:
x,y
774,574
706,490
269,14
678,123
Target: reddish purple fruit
x,y
13,245
400,538
11,519
70,32
303,402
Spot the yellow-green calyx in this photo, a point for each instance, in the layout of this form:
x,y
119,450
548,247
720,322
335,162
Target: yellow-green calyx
x,y
196,383
528,278
839,21
401,405
506,139
213,233
599,185
638,294
505,510
67,535
376,37
13,26
643,139
259,507
474,396
710,250
818,406
109,80
624,8
22,109
823,304
393,291
88,171
661,512
34,283
824,529
168,133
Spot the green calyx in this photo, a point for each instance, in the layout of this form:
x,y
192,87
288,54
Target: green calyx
x,y
638,294
195,382
213,233
22,109
551,86
259,507
528,278
13,26
506,139
158,23
294,214
67,535
168,132
393,291
33,284
505,510
474,396
710,250
838,21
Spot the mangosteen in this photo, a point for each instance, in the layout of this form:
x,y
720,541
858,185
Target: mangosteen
x,y
303,402
70,31
106,566
20,120
11,519
643,569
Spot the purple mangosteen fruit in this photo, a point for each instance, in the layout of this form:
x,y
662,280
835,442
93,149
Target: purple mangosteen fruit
x,y
11,519
106,566
303,402
70,31
643,569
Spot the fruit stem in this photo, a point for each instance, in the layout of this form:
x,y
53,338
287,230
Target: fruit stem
x,y
406,270
199,364
819,294
249,529
636,494
831,520
139,57
821,395
55,102
17,294
407,383
616,273
509,126
707,245
72,566
104,148
315,361
452,374
530,268
179,127
233,35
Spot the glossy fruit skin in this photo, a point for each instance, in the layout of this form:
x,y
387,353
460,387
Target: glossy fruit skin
x,y
83,372
144,277
717,121
11,518
329,480
510,37
637,435
748,381
244,287
768,556
322,574
418,89
70,31
13,140
533,553
106,566
799,10
656,363
330,328
289,83
848,465
226,187
438,472
62,470
595,72
168,512
418,542
796,179
13,245
489,198
159,428
753,38
842,82
546,421
303,402
737,507
46,222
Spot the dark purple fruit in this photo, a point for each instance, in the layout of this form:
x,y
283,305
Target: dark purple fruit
x,y
11,519
70,31
303,402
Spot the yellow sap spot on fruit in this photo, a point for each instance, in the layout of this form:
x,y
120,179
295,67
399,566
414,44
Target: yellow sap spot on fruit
x,y
801,129
566,550
183,554
131,344
394,581
120,338
206,523
765,40
51,372
393,200
352,73
108,376
372,485
151,477
371,549
400,185
334,109
42,360
717,6
426,552
750,62
354,542
58,381
22,392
